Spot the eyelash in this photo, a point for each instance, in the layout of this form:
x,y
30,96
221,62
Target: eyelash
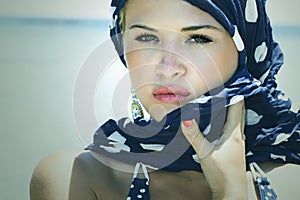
x,y
147,38
203,39
193,39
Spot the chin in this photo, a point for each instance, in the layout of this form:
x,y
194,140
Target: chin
x,y
159,111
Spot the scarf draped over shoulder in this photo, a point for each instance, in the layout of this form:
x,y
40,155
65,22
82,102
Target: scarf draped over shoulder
x,y
272,130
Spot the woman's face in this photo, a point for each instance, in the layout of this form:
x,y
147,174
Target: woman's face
x,y
175,53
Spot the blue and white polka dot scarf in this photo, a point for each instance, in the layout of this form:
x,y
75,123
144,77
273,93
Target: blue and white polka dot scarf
x,y
272,130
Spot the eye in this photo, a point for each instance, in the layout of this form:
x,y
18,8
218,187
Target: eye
x,y
147,38
199,39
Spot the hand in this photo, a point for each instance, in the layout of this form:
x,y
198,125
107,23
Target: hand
x,y
223,163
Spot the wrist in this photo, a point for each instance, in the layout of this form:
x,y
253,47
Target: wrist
x,y
230,195
231,190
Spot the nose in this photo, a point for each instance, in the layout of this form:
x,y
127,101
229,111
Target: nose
x,y
170,66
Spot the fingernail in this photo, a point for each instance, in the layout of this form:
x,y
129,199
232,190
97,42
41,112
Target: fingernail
x,y
187,123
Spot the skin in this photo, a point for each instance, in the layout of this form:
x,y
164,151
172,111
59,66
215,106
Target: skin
x,y
193,52
223,181
160,51
196,54
95,176
174,58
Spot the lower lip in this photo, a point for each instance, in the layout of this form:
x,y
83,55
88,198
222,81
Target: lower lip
x,y
170,98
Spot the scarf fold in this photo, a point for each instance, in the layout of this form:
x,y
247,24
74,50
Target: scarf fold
x,y
272,130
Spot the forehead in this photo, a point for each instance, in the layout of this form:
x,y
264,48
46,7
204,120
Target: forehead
x,y
166,14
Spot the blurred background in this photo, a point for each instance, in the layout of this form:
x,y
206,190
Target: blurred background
x,y
43,45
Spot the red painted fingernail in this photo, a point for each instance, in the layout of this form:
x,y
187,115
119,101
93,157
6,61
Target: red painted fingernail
x,y
187,123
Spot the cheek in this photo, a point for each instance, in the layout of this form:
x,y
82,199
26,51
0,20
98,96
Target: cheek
x,y
204,70
227,62
140,68
139,58
214,66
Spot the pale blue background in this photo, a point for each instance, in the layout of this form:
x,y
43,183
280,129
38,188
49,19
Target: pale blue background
x,y
39,62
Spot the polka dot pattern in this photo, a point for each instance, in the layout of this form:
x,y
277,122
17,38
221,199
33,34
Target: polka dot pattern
x,y
238,39
261,52
251,12
207,129
272,129
140,189
236,99
269,121
252,117
282,137
260,58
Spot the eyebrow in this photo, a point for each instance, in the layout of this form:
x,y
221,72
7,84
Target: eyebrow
x,y
185,29
195,28
142,27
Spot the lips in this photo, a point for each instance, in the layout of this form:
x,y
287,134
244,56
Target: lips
x,y
170,94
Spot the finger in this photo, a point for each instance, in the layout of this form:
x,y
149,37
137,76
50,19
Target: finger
x,y
235,119
195,137
192,133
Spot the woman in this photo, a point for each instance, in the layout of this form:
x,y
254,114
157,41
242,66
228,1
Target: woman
x,y
192,64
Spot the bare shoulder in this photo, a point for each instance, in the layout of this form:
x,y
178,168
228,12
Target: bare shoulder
x,y
94,178
69,175
51,176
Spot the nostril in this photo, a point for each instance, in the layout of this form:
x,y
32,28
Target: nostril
x,y
170,73
170,66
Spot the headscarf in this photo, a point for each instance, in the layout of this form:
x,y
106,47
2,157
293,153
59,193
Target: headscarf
x,y
271,129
